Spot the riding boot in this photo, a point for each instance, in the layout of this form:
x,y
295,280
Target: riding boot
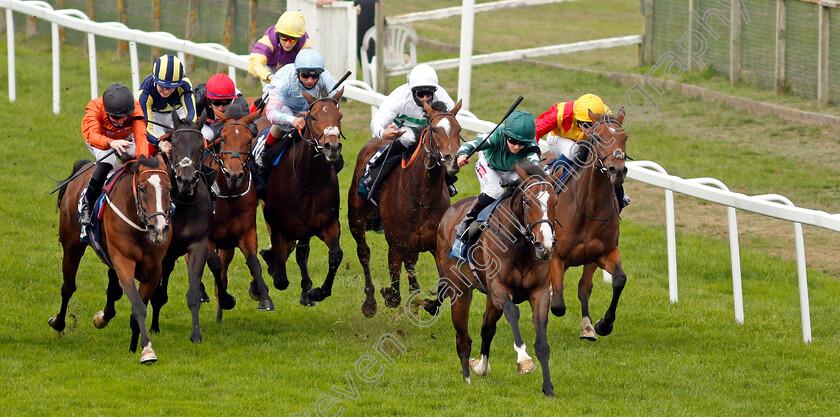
x,y
623,199
379,173
94,189
450,184
479,204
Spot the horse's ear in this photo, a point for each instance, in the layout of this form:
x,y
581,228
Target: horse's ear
x,y
428,109
620,116
308,97
202,119
166,137
250,118
595,117
133,165
337,96
176,120
220,115
457,107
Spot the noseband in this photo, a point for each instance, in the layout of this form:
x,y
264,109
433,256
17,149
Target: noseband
x,y
528,232
434,157
617,154
334,131
186,162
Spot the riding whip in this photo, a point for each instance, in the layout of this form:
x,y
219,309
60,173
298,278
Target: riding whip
x,y
67,181
335,86
510,110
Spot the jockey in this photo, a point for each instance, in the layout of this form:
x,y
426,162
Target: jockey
x,y
401,118
279,46
286,102
564,121
510,143
166,89
113,121
219,93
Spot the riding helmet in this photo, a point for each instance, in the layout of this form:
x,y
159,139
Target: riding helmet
x,y
118,101
220,87
586,103
521,126
423,75
309,59
291,24
168,71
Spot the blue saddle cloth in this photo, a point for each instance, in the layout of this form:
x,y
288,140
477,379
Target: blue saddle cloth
x,y
463,251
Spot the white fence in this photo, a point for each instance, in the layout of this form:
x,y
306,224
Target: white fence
x,y
707,189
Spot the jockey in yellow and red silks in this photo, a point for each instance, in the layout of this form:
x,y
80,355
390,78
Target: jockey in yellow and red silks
x,y
563,122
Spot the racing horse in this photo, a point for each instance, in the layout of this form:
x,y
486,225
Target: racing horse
x,y
134,239
235,222
190,219
587,211
509,262
412,203
302,198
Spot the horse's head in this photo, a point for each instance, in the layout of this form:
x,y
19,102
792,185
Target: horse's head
x,y
185,156
151,195
536,195
444,134
609,140
323,123
235,140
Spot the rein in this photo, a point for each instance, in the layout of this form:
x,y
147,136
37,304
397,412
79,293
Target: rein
x,y
432,153
141,214
313,142
240,155
528,231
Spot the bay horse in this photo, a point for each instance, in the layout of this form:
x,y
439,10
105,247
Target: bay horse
x,y
412,202
510,262
302,198
190,218
134,236
235,222
587,211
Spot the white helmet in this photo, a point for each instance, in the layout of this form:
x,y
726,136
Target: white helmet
x,y
423,75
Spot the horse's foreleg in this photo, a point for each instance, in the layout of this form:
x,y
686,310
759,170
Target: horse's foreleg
x,y
224,301
145,290
330,236
225,256
357,229
463,342
488,331
161,296
539,301
257,289
410,262
276,259
611,263
125,271
73,253
112,293
392,294
587,332
557,272
195,267
302,258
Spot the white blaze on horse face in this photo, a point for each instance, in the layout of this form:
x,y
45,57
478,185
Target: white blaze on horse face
x,y
444,124
155,181
545,227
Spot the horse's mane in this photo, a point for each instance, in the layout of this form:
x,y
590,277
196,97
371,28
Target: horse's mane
x,y
76,167
438,106
532,169
149,162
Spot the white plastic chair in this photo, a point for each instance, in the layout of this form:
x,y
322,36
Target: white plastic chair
x,y
400,51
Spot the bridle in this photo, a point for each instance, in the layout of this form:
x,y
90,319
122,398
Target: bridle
x,y
313,141
185,162
434,157
141,214
617,154
528,231
240,155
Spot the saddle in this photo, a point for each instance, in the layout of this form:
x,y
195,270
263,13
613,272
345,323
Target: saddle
x,y
377,171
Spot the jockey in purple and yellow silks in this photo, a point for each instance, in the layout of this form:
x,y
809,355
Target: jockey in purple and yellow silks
x,y
279,46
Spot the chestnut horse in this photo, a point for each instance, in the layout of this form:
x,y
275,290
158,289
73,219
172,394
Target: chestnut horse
x,y
135,236
302,198
412,203
510,261
190,218
587,211
235,222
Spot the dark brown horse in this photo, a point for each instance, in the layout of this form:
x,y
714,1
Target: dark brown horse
x,y
412,203
190,218
235,222
135,237
587,211
511,265
302,198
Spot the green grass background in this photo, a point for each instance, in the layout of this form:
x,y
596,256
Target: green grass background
x,y
689,358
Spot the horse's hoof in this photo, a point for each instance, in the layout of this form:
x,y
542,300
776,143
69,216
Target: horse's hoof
x,y
266,305
148,355
152,329
205,298
586,330
558,311
59,327
281,283
525,367
305,301
195,337
549,393
432,307
369,309
318,294
99,320
477,367
392,297
227,302
602,328
254,292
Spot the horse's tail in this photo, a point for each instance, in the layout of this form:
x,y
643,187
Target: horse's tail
x,y
76,167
